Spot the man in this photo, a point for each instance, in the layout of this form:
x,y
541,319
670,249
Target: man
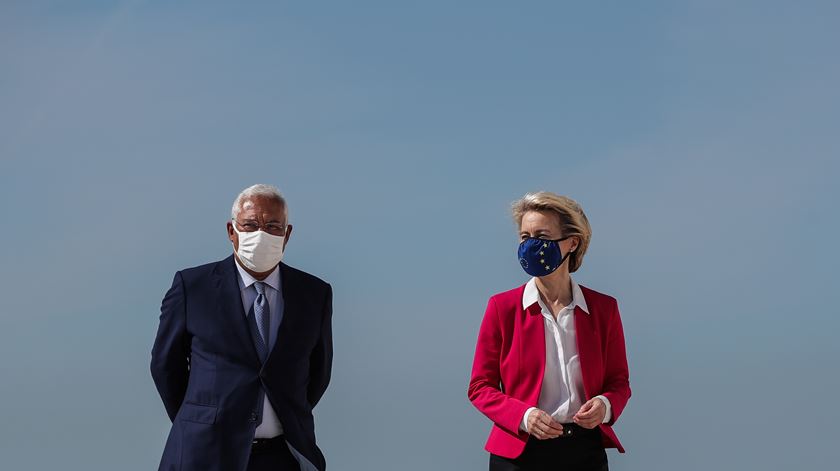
x,y
244,350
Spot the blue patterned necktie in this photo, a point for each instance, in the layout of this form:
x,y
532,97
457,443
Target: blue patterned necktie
x,y
261,321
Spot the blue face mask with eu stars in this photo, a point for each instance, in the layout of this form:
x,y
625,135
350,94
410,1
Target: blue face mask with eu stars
x,y
540,257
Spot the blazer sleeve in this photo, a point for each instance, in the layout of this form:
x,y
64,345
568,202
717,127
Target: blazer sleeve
x,y
171,351
616,374
485,389
320,360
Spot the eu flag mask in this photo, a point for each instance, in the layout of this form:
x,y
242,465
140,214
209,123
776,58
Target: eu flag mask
x,y
540,257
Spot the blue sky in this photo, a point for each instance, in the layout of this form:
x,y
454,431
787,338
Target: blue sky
x,y
700,137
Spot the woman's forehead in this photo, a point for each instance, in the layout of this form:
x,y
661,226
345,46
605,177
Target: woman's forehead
x,y
539,220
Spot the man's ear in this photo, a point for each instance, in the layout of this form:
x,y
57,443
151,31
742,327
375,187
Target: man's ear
x,y
288,236
230,232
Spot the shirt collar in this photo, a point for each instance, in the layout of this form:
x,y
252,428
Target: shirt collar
x,y
531,295
246,280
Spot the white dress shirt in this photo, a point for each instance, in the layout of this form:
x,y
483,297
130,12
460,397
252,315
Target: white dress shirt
x,y
270,425
561,394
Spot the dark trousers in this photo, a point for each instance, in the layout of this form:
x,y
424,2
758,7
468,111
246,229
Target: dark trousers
x,y
582,452
273,455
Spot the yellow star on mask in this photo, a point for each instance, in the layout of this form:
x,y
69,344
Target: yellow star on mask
x,y
545,245
542,261
542,253
547,267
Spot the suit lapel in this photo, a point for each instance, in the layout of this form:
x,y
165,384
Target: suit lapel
x,y
291,308
230,305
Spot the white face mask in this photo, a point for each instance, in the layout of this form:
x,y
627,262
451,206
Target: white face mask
x,y
259,251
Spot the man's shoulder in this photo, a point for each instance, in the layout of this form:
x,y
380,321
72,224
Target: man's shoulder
x,y
201,273
205,269
302,277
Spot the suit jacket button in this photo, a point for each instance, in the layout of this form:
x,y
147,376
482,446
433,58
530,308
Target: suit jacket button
x,y
253,416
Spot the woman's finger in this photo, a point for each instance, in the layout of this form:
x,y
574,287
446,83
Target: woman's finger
x,y
552,424
591,412
548,432
587,415
543,428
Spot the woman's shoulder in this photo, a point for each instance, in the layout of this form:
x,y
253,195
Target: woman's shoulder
x,y
506,300
598,301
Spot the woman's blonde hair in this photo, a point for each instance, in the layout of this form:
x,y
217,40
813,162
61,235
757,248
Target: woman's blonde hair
x,y
573,221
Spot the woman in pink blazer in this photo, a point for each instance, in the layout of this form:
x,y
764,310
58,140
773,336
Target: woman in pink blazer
x,y
550,368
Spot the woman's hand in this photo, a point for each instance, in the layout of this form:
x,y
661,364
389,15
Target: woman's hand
x,y
543,426
591,414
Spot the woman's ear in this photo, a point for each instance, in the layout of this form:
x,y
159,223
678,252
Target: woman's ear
x,y
575,243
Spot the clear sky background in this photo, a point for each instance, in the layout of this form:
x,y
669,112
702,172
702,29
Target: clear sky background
x,y
700,137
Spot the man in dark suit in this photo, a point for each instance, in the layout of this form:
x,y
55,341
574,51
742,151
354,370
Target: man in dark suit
x,y
244,350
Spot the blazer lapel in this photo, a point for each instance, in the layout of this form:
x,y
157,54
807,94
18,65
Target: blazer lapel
x,y
230,305
588,349
532,349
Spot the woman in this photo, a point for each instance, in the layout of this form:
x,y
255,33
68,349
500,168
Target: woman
x,y
550,368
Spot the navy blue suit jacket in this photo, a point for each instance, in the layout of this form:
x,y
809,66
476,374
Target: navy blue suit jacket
x,y
209,376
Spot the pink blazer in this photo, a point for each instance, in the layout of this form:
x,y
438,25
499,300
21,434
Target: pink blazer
x,y
509,364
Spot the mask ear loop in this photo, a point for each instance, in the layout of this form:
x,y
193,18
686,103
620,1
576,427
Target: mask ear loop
x,y
562,257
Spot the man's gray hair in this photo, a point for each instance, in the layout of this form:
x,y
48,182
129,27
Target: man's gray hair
x,y
259,189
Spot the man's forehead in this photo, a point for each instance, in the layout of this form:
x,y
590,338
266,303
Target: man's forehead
x,y
257,205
